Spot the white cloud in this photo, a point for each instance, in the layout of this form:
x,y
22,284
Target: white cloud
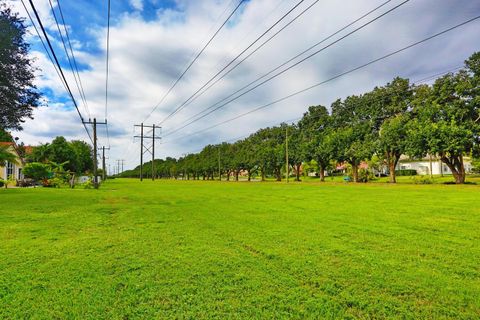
x,y
147,56
137,4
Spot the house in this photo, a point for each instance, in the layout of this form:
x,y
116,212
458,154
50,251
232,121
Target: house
x,y
13,170
422,166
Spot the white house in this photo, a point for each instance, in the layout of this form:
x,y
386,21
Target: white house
x,y
423,166
12,170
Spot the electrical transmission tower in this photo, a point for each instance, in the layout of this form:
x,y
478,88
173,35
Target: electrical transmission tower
x,y
147,148
122,162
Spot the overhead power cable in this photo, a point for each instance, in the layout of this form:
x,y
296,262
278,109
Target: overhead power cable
x,y
253,52
59,67
107,67
181,106
289,60
44,45
288,68
194,60
79,88
333,78
73,57
423,80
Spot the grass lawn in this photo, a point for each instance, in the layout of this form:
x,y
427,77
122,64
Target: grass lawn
x,y
198,250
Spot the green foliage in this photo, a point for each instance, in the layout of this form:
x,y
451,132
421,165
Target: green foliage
x,y
75,156
37,171
6,156
2,183
19,96
422,180
406,172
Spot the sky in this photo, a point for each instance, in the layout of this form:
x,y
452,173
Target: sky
x,y
153,41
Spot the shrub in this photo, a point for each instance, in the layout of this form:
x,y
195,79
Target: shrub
x,y
2,183
36,171
422,180
406,172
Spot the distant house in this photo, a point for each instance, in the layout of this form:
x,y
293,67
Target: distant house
x,y
11,169
422,166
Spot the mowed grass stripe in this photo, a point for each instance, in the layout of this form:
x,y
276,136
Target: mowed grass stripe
x,y
184,249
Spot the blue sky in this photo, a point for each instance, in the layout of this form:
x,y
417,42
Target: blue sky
x,y
152,42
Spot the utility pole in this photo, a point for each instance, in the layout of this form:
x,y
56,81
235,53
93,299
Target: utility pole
x,y
104,175
286,152
153,152
95,160
219,168
118,165
144,148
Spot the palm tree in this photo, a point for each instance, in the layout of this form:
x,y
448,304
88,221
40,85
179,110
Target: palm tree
x,y
6,156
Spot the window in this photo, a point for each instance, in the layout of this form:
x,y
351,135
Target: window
x,y
20,173
10,168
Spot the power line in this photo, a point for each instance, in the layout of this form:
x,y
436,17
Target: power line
x,y
252,53
195,59
288,61
290,67
183,105
59,67
44,45
333,78
315,117
107,70
68,56
73,57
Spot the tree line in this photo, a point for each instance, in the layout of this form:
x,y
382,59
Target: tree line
x,y
399,118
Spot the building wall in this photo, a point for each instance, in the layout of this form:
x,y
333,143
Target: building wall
x,y
17,168
423,167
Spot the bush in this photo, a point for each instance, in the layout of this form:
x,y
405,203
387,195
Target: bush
x,y
36,171
53,183
2,183
406,172
422,180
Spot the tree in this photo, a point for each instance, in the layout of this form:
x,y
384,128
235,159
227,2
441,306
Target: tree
x,y
83,154
315,126
36,171
60,151
391,142
446,122
353,138
388,108
18,94
6,156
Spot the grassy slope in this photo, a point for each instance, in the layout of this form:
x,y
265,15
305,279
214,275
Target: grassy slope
x,y
258,250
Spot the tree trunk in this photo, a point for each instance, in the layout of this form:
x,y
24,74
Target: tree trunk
x,y
263,174
391,168
228,175
277,174
249,175
322,172
455,164
355,172
297,171
237,172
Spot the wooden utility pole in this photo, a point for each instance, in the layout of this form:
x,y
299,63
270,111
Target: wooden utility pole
x,y
286,153
95,161
144,148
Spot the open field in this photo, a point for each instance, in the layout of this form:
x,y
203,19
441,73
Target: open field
x,y
174,249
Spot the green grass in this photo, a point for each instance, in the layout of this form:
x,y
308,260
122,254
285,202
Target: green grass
x,y
198,250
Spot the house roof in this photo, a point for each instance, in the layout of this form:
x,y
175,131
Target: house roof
x,y
6,143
